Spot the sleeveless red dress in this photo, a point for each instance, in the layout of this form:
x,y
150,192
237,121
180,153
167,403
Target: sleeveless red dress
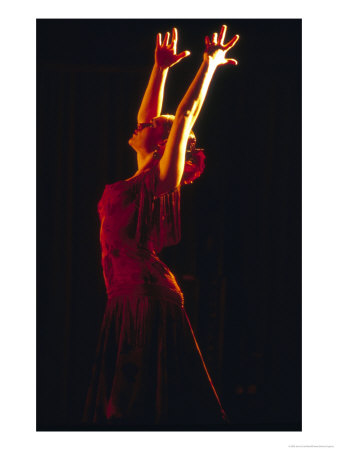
x,y
149,369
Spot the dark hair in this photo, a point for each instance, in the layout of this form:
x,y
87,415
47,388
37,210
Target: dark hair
x,y
168,120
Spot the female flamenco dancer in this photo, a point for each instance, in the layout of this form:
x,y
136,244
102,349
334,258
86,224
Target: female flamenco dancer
x,y
149,370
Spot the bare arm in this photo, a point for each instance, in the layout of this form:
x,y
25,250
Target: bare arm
x,y
165,57
172,162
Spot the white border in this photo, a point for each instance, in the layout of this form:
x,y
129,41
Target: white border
x,y
18,221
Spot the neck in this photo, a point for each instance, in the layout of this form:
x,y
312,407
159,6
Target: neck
x,y
144,162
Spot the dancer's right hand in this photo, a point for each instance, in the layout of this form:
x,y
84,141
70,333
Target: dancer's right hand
x,y
165,54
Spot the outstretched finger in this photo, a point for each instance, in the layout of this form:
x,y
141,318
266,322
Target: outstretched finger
x,y
182,55
173,44
232,42
234,62
222,34
214,38
207,41
174,36
158,40
166,39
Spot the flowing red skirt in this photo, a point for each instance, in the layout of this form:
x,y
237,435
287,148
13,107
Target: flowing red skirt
x,y
149,369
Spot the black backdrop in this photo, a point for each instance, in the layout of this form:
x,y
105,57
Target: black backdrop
x,y
239,261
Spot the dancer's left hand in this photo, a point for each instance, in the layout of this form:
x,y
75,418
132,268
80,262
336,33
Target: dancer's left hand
x,y
216,50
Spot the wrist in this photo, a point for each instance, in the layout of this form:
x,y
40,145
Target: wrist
x,y
160,68
209,65
209,61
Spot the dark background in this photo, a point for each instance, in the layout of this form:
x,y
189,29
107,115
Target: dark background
x,y
239,261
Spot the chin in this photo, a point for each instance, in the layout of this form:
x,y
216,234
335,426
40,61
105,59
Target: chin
x,y
131,142
133,146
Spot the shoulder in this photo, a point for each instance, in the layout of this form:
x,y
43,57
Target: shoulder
x,y
151,179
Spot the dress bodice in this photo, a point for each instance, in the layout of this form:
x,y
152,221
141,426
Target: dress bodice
x,y
135,226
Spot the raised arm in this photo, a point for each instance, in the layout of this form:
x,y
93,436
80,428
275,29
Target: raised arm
x,y
165,57
172,162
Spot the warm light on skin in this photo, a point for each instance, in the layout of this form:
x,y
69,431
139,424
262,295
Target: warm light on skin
x,y
218,49
146,140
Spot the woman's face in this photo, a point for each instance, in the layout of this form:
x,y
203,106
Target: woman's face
x,y
146,138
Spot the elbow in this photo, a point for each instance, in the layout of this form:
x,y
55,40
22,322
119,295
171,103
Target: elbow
x,y
187,113
184,117
184,112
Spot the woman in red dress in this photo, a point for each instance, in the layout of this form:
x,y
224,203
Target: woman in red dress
x,y
149,370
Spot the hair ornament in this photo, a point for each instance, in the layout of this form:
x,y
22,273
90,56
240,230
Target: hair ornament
x,y
195,162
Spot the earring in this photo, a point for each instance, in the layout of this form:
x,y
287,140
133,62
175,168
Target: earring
x,y
156,154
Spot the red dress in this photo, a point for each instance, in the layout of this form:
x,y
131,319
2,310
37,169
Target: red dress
x,y
149,369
